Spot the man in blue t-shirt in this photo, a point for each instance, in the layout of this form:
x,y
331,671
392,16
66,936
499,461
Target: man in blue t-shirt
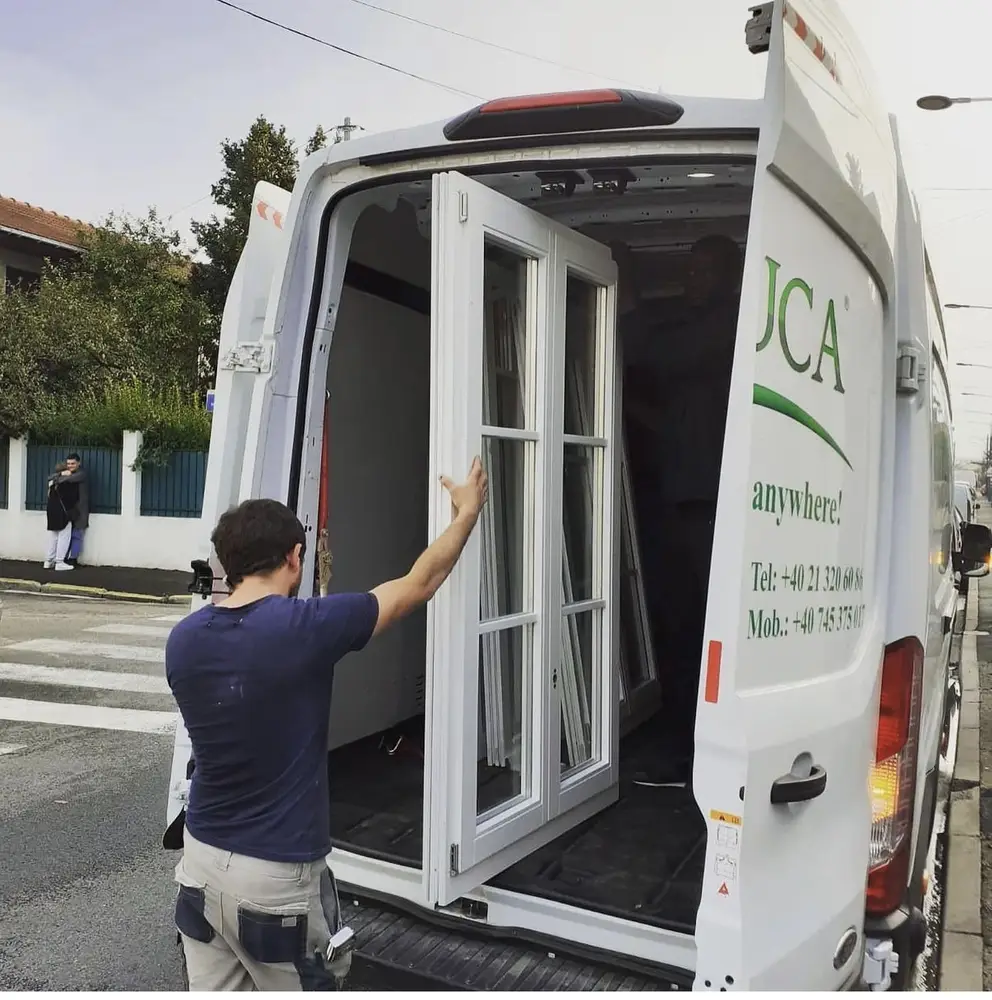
x,y
257,905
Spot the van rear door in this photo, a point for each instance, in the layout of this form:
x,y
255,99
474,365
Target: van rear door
x,y
244,366
785,730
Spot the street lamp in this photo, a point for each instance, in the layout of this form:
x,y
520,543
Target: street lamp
x,y
938,102
963,305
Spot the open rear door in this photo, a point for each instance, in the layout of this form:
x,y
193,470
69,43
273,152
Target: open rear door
x,y
244,365
523,724
785,732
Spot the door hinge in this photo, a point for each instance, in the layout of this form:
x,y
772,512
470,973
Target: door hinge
x,y
254,357
758,32
453,859
463,206
909,369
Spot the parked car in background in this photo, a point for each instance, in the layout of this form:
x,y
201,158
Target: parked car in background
x,y
964,502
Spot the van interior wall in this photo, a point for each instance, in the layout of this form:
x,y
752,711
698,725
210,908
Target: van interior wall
x,y
379,417
379,385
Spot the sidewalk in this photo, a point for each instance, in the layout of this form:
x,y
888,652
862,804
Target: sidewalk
x,y
966,949
110,582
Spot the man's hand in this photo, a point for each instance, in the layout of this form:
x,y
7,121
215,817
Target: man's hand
x,y
468,498
397,598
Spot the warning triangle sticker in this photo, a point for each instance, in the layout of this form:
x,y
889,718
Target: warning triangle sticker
x,y
723,890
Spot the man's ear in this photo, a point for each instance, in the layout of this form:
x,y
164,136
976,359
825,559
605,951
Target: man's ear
x,y
295,556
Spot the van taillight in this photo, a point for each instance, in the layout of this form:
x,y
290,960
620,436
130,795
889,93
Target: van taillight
x,y
893,778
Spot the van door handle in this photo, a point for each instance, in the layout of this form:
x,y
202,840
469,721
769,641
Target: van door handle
x,y
791,788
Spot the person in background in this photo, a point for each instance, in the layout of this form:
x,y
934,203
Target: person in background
x,y
81,512
62,497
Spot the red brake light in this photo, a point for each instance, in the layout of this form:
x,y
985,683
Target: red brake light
x,y
554,114
896,700
893,780
530,102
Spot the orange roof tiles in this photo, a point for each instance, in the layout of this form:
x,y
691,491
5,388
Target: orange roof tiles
x,y
36,221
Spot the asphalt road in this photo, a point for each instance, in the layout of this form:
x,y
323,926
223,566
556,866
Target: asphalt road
x,y
86,889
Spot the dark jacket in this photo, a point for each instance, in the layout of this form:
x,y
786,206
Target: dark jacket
x,y
80,510
62,499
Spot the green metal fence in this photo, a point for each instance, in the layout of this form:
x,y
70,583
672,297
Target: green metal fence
x,y
4,471
175,489
103,467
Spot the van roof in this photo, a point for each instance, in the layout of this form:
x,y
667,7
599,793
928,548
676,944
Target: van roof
x,y
701,114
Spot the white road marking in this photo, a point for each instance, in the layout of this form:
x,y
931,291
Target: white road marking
x,y
148,631
6,748
104,680
141,654
125,720
168,618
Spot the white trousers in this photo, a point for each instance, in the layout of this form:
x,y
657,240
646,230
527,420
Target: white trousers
x,y
58,544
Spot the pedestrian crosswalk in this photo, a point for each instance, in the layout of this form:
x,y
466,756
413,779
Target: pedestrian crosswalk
x,y
91,665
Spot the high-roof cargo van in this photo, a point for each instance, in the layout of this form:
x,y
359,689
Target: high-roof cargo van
x,y
677,718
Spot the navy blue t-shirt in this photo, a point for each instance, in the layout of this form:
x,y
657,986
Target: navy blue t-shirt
x,y
253,685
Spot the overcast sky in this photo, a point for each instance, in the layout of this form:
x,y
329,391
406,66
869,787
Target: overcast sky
x,y
122,104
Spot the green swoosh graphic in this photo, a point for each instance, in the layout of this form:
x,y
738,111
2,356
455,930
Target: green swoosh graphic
x,y
772,400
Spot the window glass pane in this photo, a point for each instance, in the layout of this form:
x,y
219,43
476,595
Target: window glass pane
x,y
505,684
504,377
507,549
633,641
581,662
581,300
581,513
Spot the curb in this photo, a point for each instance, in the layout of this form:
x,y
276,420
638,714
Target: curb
x,y
72,590
961,964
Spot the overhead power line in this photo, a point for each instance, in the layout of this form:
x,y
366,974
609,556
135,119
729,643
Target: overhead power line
x,y
348,52
482,41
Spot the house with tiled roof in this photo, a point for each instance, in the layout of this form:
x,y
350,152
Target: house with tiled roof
x,y
29,235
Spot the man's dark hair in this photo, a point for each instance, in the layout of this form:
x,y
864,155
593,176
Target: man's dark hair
x,y
72,457
256,537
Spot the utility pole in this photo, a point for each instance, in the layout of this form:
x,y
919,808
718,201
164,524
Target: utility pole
x,y
342,132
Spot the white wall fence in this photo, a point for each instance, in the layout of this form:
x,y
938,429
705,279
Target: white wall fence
x,y
126,539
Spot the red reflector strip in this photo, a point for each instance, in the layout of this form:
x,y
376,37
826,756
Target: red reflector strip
x,y
714,655
532,102
812,41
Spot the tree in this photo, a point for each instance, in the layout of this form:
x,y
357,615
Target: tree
x,y
123,311
267,153
317,141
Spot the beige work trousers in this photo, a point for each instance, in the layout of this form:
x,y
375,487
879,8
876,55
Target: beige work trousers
x,y
248,924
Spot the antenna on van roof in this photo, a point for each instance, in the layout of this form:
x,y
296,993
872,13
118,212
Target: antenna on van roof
x,y
758,32
342,132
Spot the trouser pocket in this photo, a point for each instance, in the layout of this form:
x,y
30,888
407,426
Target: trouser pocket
x,y
190,917
273,935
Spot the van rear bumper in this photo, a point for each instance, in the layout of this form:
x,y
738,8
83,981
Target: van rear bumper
x,y
396,950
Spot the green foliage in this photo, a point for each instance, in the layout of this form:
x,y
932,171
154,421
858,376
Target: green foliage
x,y
169,420
317,141
267,153
124,311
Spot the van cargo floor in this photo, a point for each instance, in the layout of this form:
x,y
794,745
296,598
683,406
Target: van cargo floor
x,y
641,859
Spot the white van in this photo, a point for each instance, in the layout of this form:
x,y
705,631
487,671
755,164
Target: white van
x,y
449,290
